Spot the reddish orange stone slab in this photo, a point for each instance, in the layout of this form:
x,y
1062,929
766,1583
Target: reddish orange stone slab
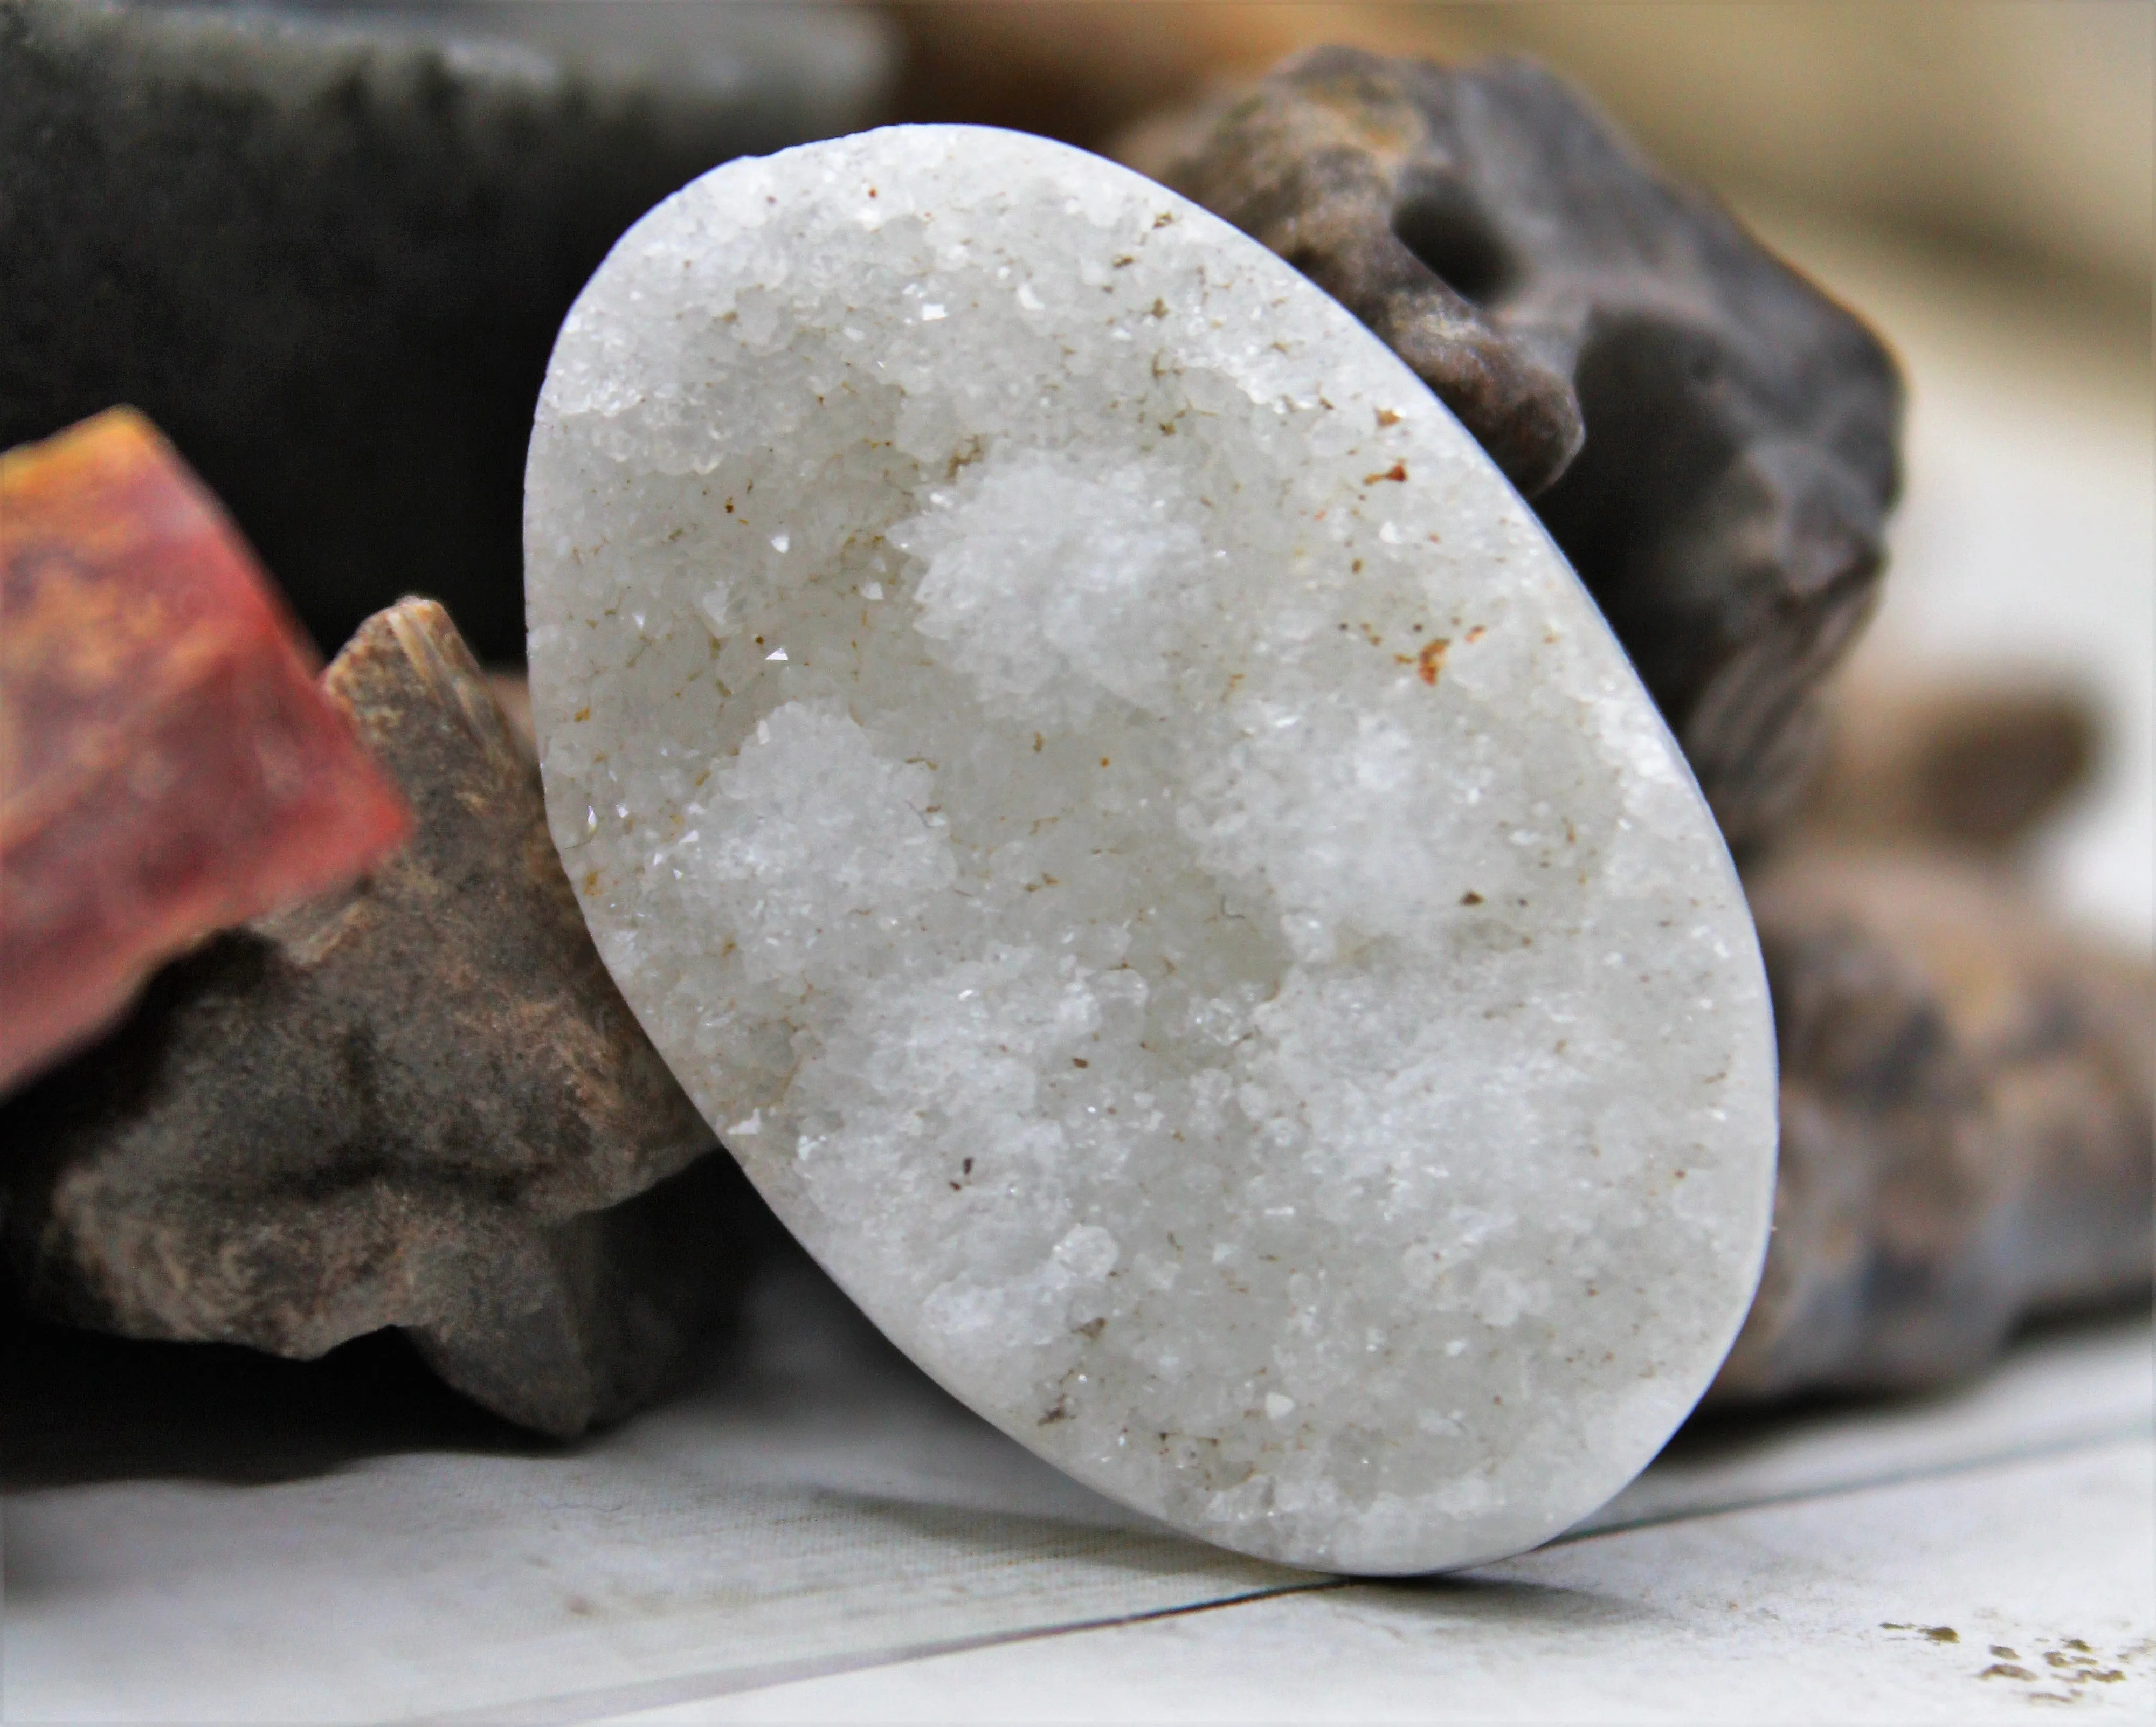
x,y
168,766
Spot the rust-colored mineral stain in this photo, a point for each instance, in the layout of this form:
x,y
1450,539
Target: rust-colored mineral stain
x,y
1431,660
1399,470
168,765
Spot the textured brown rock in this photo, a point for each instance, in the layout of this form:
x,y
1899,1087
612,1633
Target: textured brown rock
x,y
418,1103
1966,1122
1710,439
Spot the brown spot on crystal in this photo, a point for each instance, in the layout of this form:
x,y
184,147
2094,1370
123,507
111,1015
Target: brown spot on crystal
x,y
1711,440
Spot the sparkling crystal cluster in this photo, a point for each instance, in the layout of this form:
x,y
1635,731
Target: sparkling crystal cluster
x,y
1117,814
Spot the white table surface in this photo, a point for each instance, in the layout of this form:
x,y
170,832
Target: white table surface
x,y
818,1534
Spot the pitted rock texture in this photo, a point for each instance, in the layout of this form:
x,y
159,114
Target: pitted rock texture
x,y
1968,1091
419,1103
327,248
1124,822
1711,439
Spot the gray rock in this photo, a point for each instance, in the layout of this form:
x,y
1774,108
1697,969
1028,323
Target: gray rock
x,y
1711,439
420,1103
328,252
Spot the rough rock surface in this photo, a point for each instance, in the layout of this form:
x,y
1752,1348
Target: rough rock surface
x,y
1711,439
1121,818
328,250
168,765
1966,1099
410,1104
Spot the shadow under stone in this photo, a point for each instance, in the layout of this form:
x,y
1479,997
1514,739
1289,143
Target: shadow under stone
x,y
84,1407
1719,1430
1470,1599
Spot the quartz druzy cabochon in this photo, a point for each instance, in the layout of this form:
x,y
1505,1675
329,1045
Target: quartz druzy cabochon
x,y
1121,820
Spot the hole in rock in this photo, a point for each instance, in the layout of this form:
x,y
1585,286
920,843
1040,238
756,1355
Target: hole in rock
x,y
1456,243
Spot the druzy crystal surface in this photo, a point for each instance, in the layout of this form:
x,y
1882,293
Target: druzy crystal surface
x,y
1123,822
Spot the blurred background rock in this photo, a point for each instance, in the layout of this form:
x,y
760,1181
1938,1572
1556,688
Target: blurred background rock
x,y
2020,130
327,248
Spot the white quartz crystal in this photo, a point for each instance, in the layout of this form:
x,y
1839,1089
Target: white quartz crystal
x,y
1131,834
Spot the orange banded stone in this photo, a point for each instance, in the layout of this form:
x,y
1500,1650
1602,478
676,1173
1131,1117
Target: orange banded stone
x,y
168,766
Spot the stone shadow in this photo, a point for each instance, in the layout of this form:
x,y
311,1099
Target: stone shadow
x,y
84,1407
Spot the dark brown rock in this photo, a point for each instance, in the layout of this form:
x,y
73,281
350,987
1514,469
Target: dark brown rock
x,y
1966,1122
420,1103
1710,439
